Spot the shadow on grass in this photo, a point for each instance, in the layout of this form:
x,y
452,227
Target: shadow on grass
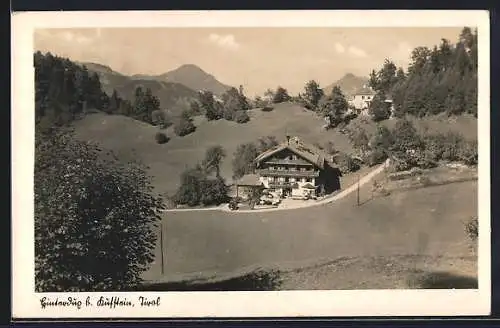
x,y
259,280
440,280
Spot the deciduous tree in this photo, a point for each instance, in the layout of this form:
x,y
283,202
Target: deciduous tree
x,y
94,218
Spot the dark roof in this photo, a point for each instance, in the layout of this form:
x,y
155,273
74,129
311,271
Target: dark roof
x,y
249,180
308,186
309,152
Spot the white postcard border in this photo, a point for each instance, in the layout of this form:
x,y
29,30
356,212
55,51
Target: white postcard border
x,y
26,303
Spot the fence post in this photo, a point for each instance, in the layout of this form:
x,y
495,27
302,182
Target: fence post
x,y
161,248
358,191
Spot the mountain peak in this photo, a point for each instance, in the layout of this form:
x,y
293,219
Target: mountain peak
x,y
349,84
195,78
190,66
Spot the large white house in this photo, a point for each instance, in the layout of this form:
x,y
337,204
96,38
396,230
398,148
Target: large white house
x,y
362,98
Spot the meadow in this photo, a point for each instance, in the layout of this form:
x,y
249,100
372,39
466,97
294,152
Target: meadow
x,y
425,224
134,139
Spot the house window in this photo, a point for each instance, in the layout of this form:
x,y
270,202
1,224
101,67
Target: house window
x,y
302,169
363,97
271,168
309,180
293,168
292,179
287,179
303,180
290,157
271,179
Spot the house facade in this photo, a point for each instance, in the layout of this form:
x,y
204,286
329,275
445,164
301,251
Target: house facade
x,y
362,99
296,169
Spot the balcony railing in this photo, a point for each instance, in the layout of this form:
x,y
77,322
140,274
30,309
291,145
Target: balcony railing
x,y
288,173
289,162
279,184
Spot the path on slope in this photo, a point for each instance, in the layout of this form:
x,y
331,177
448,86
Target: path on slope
x,y
362,181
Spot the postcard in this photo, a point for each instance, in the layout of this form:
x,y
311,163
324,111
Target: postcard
x,y
205,164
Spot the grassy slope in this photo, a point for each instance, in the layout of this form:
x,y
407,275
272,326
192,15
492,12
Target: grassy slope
x,y
167,161
425,222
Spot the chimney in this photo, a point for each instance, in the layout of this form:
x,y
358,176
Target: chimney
x,y
287,140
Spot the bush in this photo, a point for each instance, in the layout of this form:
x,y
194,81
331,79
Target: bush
x,y
376,157
468,153
471,228
450,146
161,138
346,163
213,191
184,127
241,116
379,110
229,114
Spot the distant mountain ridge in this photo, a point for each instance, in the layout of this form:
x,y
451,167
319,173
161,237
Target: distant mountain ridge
x,y
182,83
191,76
349,84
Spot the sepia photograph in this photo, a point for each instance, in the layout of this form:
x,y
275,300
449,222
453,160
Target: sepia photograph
x,y
184,159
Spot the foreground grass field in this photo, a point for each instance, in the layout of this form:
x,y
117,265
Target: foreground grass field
x,y
133,139
424,223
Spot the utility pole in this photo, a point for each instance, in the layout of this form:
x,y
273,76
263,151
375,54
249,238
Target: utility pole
x,y
161,248
358,191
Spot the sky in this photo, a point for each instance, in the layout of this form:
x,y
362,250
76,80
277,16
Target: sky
x,y
257,58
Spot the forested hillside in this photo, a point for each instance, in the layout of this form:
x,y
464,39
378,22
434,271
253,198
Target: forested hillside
x,y
65,90
438,80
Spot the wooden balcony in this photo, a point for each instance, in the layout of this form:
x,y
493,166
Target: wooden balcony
x,y
288,173
282,184
288,162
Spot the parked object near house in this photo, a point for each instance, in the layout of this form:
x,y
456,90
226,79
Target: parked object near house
x,y
295,169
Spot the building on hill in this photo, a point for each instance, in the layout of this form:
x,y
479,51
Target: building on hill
x,y
298,170
247,185
362,98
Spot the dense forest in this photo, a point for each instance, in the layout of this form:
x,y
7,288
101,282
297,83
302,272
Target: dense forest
x,y
64,91
438,80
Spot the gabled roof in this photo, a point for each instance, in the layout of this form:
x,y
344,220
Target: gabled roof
x,y
309,152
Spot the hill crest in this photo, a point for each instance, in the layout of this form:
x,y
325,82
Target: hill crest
x,y
349,84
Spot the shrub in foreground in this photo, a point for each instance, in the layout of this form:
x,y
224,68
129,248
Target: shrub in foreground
x,y
184,127
161,138
471,228
241,116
